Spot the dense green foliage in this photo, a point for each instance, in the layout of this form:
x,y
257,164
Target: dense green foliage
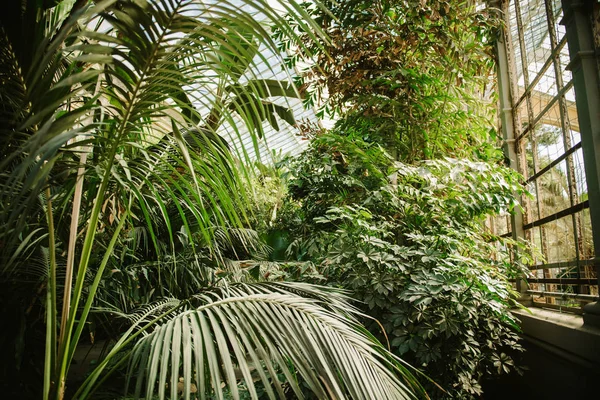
x,y
408,239
125,217
414,252
120,219
409,75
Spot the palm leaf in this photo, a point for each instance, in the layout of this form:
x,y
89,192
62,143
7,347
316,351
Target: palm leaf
x,y
267,88
250,333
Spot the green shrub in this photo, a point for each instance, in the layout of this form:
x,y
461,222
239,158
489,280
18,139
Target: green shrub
x,y
415,252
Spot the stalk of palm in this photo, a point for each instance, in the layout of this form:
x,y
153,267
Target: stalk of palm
x,y
99,132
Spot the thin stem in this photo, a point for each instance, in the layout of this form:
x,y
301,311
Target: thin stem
x,y
83,263
90,391
94,287
50,357
71,249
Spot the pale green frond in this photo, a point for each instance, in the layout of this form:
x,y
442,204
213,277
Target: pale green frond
x,y
245,334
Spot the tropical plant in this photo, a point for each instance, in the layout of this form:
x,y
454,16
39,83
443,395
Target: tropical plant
x,y
413,76
415,253
110,155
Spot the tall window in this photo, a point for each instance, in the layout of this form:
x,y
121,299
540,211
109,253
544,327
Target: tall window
x,y
547,142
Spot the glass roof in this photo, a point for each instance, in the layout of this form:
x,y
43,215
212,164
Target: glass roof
x,y
536,39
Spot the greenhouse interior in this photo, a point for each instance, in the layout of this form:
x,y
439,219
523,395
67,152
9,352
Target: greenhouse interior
x,y
288,199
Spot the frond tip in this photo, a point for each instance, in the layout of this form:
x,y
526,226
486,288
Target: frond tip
x,y
255,339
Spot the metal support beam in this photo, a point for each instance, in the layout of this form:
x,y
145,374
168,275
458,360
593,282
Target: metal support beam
x,y
584,67
556,216
508,119
554,163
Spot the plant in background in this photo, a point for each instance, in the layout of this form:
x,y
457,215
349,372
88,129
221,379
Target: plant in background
x,y
108,173
413,76
408,239
416,253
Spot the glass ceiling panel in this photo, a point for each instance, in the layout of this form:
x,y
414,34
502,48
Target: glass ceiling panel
x,y
536,41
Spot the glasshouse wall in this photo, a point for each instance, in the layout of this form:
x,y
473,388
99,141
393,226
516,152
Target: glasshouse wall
x,y
549,99
548,153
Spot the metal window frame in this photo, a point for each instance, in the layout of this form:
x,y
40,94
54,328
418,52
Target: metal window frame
x,y
584,66
580,40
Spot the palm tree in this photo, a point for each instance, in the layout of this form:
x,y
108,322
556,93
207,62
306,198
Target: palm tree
x,y
110,111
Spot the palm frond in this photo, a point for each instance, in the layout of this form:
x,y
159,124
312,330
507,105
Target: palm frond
x,y
239,243
251,334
